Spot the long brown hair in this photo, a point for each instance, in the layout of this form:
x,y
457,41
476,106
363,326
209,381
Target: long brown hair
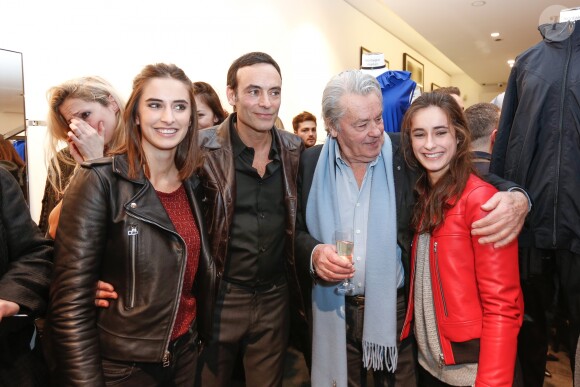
x,y
433,200
8,152
207,94
187,154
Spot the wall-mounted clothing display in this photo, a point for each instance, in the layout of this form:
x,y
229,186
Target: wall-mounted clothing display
x,y
398,89
20,146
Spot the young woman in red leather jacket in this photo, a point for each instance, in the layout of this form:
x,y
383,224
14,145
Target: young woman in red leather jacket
x,y
465,303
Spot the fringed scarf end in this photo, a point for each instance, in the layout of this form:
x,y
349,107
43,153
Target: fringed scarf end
x,y
377,356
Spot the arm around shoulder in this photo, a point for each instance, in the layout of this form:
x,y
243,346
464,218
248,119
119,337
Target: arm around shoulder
x,y
506,215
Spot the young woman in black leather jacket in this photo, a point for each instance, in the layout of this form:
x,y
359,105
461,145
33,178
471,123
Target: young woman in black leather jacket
x,y
133,220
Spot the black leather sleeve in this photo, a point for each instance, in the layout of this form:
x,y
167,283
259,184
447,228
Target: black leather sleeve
x,y
79,245
26,261
305,243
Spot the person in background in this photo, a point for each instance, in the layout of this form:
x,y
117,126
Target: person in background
x,y
11,161
85,113
25,273
452,91
209,108
304,125
465,302
482,122
134,220
249,175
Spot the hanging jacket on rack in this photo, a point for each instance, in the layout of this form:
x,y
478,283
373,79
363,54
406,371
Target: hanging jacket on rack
x,y
397,88
538,142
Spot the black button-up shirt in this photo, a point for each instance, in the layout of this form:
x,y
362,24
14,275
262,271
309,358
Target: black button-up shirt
x,y
256,249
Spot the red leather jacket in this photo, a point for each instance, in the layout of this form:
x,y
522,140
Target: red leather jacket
x,y
476,292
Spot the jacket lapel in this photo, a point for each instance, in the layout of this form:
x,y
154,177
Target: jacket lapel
x,y
143,203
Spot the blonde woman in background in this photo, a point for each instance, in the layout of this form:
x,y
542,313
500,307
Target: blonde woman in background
x,y
87,113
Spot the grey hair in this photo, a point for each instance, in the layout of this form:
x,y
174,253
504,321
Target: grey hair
x,y
346,82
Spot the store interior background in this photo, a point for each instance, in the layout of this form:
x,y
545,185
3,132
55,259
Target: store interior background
x,y
311,40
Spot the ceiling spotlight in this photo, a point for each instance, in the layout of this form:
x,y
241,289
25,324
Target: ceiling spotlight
x,y
495,34
478,3
511,62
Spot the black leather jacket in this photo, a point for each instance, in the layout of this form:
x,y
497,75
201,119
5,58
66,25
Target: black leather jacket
x,y
115,229
25,255
218,178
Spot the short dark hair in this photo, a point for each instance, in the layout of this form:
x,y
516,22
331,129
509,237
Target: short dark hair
x,y
448,90
300,118
482,119
246,60
208,95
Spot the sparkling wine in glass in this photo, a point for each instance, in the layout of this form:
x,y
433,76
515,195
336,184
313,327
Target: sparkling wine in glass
x,y
344,248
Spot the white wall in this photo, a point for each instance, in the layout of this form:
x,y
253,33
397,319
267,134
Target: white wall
x,y
311,40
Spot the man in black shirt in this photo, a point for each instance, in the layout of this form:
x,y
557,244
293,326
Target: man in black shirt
x,y
249,176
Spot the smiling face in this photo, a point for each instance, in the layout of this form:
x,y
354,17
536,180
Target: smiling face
x,y
163,114
433,141
361,132
92,113
257,98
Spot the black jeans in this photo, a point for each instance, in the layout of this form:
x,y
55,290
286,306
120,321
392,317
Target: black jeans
x,y
427,380
180,372
253,322
405,375
546,275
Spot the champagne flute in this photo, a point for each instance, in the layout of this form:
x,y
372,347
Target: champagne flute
x,y
344,248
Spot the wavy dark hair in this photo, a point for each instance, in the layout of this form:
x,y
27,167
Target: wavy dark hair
x,y
208,95
187,156
433,200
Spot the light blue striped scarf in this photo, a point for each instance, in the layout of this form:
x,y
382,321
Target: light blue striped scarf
x,y
380,319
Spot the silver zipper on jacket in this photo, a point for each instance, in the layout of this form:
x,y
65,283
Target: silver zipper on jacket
x,y
166,359
439,278
132,233
560,132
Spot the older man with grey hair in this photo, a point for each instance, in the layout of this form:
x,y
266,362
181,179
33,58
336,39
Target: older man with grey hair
x,y
359,180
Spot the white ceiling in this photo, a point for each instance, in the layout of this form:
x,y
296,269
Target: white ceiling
x,y
456,31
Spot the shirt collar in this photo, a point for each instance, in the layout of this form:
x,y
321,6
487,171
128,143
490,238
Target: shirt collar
x,y
238,145
340,161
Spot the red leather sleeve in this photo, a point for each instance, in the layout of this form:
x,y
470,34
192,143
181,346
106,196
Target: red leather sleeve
x,y
498,282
